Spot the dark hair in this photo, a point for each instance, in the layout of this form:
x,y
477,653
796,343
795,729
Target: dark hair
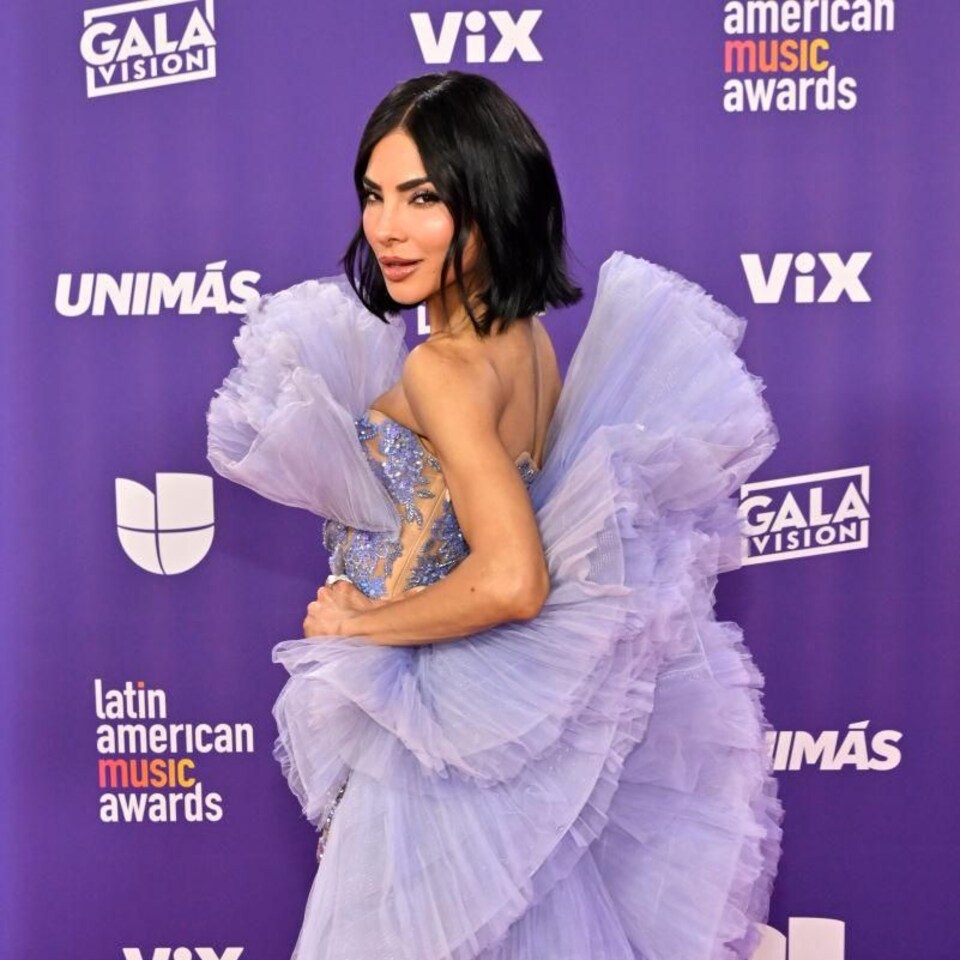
x,y
493,170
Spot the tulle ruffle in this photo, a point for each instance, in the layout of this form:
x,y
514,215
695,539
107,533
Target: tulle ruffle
x,y
592,783
311,358
660,352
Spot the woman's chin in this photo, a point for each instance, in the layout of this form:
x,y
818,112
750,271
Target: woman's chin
x,y
409,296
406,300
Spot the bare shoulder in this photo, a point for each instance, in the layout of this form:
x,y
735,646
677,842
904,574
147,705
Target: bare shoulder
x,y
437,374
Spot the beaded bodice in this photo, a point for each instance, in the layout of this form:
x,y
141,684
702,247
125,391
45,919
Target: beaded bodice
x,y
430,543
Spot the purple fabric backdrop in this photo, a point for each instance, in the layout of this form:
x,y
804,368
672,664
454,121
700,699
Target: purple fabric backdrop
x,y
136,214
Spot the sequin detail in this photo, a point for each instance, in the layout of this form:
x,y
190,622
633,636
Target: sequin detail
x,y
444,549
528,470
406,469
365,556
324,836
402,466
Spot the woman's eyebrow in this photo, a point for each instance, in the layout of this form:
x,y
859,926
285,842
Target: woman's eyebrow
x,y
406,185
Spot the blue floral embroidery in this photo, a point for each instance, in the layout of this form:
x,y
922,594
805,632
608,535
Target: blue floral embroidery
x,y
366,557
445,548
401,470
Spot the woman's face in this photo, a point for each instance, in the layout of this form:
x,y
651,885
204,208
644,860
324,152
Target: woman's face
x,y
405,221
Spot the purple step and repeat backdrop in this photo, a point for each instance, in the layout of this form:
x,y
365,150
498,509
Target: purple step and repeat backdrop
x,y
165,160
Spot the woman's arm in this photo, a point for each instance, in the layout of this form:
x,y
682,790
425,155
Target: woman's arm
x,y
505,575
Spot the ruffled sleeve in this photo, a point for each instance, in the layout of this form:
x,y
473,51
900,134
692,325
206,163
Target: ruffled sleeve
x,y
660,353
311,359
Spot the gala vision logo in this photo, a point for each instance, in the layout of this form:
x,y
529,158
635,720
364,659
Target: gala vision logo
x,y
147,43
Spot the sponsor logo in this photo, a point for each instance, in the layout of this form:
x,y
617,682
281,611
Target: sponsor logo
x,y
808,938
805,516
167,787
491,36
820,278
780,56
423,325
182,953
148,43
170,531
148,294
835,749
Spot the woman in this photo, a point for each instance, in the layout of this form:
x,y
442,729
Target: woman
x,y
513,716
477,386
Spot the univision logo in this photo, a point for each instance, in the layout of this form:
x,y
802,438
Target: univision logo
x,y
170,531
808,938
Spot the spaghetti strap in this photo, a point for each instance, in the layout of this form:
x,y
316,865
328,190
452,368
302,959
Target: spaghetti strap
x,y
536,389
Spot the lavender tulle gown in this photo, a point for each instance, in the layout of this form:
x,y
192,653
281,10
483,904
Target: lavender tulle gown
x,y
591,784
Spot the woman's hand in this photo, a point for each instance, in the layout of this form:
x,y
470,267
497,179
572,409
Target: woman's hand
x,y
336,605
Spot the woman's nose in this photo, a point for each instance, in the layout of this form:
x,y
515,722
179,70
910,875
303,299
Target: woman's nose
x,y
387,221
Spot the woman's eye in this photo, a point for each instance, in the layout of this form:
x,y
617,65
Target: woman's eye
x,y
421,199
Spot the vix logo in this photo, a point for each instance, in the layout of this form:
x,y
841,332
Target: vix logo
x,y
808,938
514,36
843,277
169,532
182,953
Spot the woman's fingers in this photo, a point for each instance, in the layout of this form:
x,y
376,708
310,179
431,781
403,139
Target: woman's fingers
x,y
345,595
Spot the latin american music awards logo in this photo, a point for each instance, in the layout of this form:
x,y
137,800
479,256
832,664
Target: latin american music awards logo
x,y
789,57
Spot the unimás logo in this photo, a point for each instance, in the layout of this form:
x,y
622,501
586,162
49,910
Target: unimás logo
x,y
147,43
150,293
817,278
808,938
488,36
850,749
169,531
795,72
806,515
182,953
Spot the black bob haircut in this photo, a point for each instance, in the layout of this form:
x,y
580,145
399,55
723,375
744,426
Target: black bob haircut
x,y
492,170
